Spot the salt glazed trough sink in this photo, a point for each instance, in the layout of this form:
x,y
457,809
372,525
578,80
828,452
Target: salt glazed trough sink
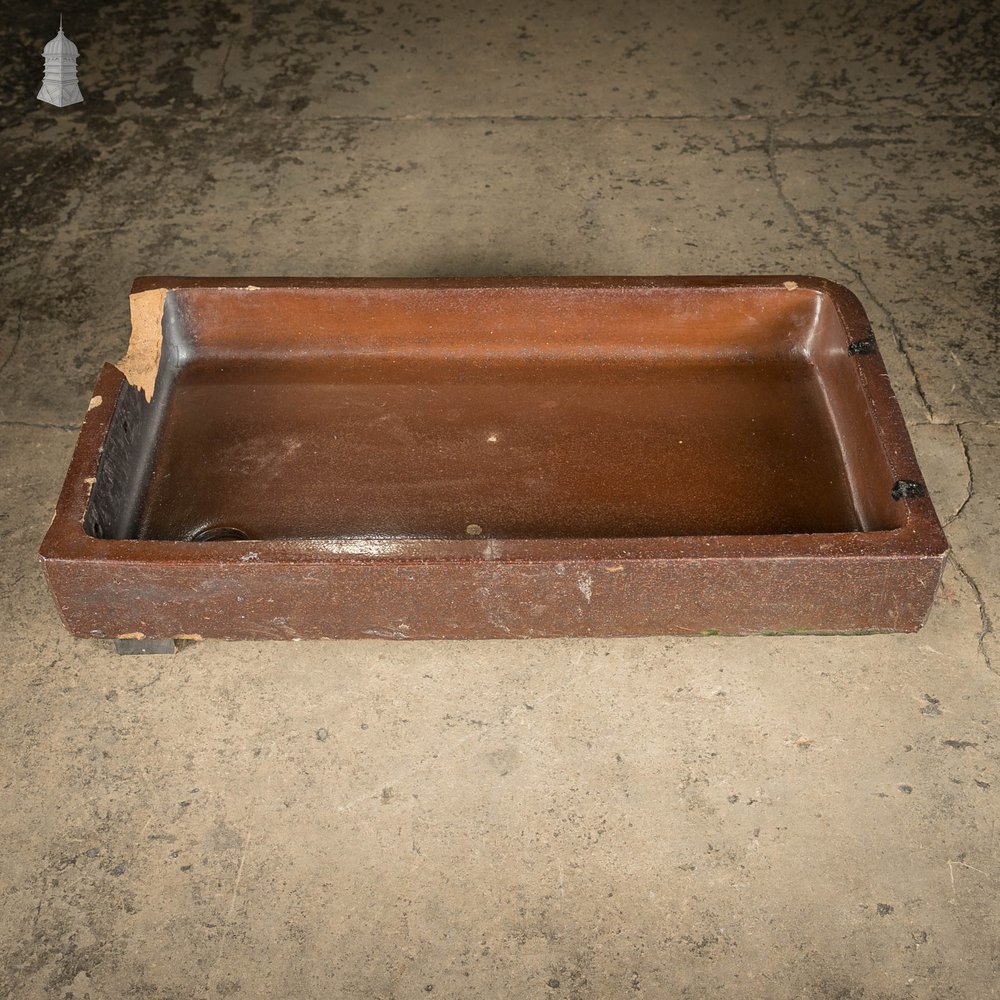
x,y
301,458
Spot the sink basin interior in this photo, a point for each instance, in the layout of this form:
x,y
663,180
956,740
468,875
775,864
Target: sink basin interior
x,y
497,412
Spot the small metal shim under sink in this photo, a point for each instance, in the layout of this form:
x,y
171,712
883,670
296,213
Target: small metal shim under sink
x,y
284,458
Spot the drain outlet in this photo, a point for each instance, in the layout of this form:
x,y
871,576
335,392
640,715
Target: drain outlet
x,y
220,533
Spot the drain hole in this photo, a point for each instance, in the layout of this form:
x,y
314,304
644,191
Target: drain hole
x,y
219,533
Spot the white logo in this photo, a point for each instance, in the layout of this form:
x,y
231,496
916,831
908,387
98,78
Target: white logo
x,y
60,87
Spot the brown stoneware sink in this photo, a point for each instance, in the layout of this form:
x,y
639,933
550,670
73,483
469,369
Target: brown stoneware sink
x,y
306,458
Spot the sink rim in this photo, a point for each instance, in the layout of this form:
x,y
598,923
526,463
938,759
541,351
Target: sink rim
x,y
919,533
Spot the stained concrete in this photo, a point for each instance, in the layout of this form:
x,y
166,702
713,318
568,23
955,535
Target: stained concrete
x,y
799,817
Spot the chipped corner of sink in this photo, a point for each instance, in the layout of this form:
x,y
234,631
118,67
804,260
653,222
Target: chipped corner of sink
x,y
141,362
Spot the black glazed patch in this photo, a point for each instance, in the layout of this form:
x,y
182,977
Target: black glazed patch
x,y
903,489
866,345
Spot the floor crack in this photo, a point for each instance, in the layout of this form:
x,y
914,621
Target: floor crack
x,y
814,234
984,616
39,426
222,75
18,330
138,688
970,485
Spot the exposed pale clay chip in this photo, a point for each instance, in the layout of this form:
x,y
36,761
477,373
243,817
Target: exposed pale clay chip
x,y
142,360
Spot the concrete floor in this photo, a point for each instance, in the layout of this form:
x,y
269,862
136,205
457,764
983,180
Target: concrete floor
x,y
769,817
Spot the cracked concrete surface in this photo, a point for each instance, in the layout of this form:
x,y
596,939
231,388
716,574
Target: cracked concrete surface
x,y
801,817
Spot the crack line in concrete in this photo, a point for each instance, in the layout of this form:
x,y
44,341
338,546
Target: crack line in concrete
x,y
138,688
222,75
970,479
953,423
18,330
39,426
984,617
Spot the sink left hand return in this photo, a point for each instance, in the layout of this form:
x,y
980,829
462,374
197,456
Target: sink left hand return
x,y
486,457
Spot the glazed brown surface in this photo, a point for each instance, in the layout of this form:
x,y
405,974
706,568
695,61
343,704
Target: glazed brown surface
x,y
560,450
473,458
